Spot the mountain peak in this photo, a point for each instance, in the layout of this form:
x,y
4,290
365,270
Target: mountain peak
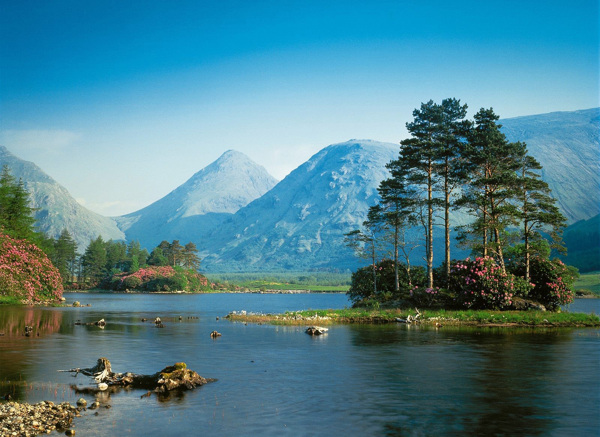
x,y
222,187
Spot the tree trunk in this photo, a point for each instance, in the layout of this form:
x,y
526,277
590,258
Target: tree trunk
x,y
177,376
430,228
396,274
447,225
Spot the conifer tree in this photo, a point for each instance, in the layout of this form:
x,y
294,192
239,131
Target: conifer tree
x,y
191,260
16,216
93,261
538,210
419,157
493,164
450,164
65,255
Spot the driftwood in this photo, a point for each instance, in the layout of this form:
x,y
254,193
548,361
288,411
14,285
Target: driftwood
x,y
177,376
410,319
100,323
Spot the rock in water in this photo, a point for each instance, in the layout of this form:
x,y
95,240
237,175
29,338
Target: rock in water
x,y
316,330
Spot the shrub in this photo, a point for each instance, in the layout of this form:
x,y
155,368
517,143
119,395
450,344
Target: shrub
x,y
131,282
425,297
26,272
552,281
480,284
158,278
361,286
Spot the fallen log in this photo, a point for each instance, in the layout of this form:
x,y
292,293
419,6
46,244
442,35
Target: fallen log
x,y
177,376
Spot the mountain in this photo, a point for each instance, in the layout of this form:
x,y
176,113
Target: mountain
x,y
215,192
300,223
567,144
55,207
582,240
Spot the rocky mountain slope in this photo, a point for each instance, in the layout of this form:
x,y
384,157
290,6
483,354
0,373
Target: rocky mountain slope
x,y
567,144
56,208
300,224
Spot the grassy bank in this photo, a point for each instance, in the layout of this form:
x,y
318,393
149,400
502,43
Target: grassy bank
x,y
588,284
428,317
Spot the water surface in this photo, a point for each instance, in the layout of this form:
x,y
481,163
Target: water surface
x,y
356,380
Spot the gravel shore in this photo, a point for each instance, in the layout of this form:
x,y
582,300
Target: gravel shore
x,y
22,419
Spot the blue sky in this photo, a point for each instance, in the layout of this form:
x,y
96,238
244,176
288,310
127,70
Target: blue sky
x,y
121,102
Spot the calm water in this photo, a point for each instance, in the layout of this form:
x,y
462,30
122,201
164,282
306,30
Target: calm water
x,y
394,380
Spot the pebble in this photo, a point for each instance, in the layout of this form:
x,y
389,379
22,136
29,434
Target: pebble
x,y
28,420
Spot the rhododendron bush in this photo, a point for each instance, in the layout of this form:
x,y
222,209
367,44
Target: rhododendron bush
x,y
552,282
158,278
26,272
480,284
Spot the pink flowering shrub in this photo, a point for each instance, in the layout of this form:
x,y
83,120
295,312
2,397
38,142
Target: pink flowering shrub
x,y
552,282
480,284
158,278
26,272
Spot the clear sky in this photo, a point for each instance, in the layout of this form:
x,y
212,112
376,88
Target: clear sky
x,y
123,101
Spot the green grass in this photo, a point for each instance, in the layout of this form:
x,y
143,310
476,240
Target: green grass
x,y
588,282
271,285
428,317
313,281
9,300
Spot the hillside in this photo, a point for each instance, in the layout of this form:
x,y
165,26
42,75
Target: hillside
x,y
55,208
567,144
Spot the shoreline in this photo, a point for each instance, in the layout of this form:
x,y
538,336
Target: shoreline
x,y
435,318
273,291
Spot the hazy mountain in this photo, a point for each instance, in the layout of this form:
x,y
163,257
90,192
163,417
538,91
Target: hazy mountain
x,y
215,192
582,240
300,224
567,144
56,209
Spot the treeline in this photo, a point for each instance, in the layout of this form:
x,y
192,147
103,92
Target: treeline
x,y
450,163
101,260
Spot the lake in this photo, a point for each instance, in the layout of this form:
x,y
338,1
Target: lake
x,y
394,380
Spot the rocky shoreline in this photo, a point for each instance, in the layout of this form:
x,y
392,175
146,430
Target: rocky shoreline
x,y
23,419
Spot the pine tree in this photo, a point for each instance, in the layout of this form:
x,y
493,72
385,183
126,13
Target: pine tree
x,y
493,164
191,260
65,255
93,261
450,164
16,216
419,156
538,209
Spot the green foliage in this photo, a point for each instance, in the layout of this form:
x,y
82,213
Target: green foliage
x,y
481,284
157,278
361,286
64,256
93,261
131,282
552,281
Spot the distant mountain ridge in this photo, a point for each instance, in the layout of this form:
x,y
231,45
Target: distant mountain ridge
x,y
55,208
219,189
241,219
